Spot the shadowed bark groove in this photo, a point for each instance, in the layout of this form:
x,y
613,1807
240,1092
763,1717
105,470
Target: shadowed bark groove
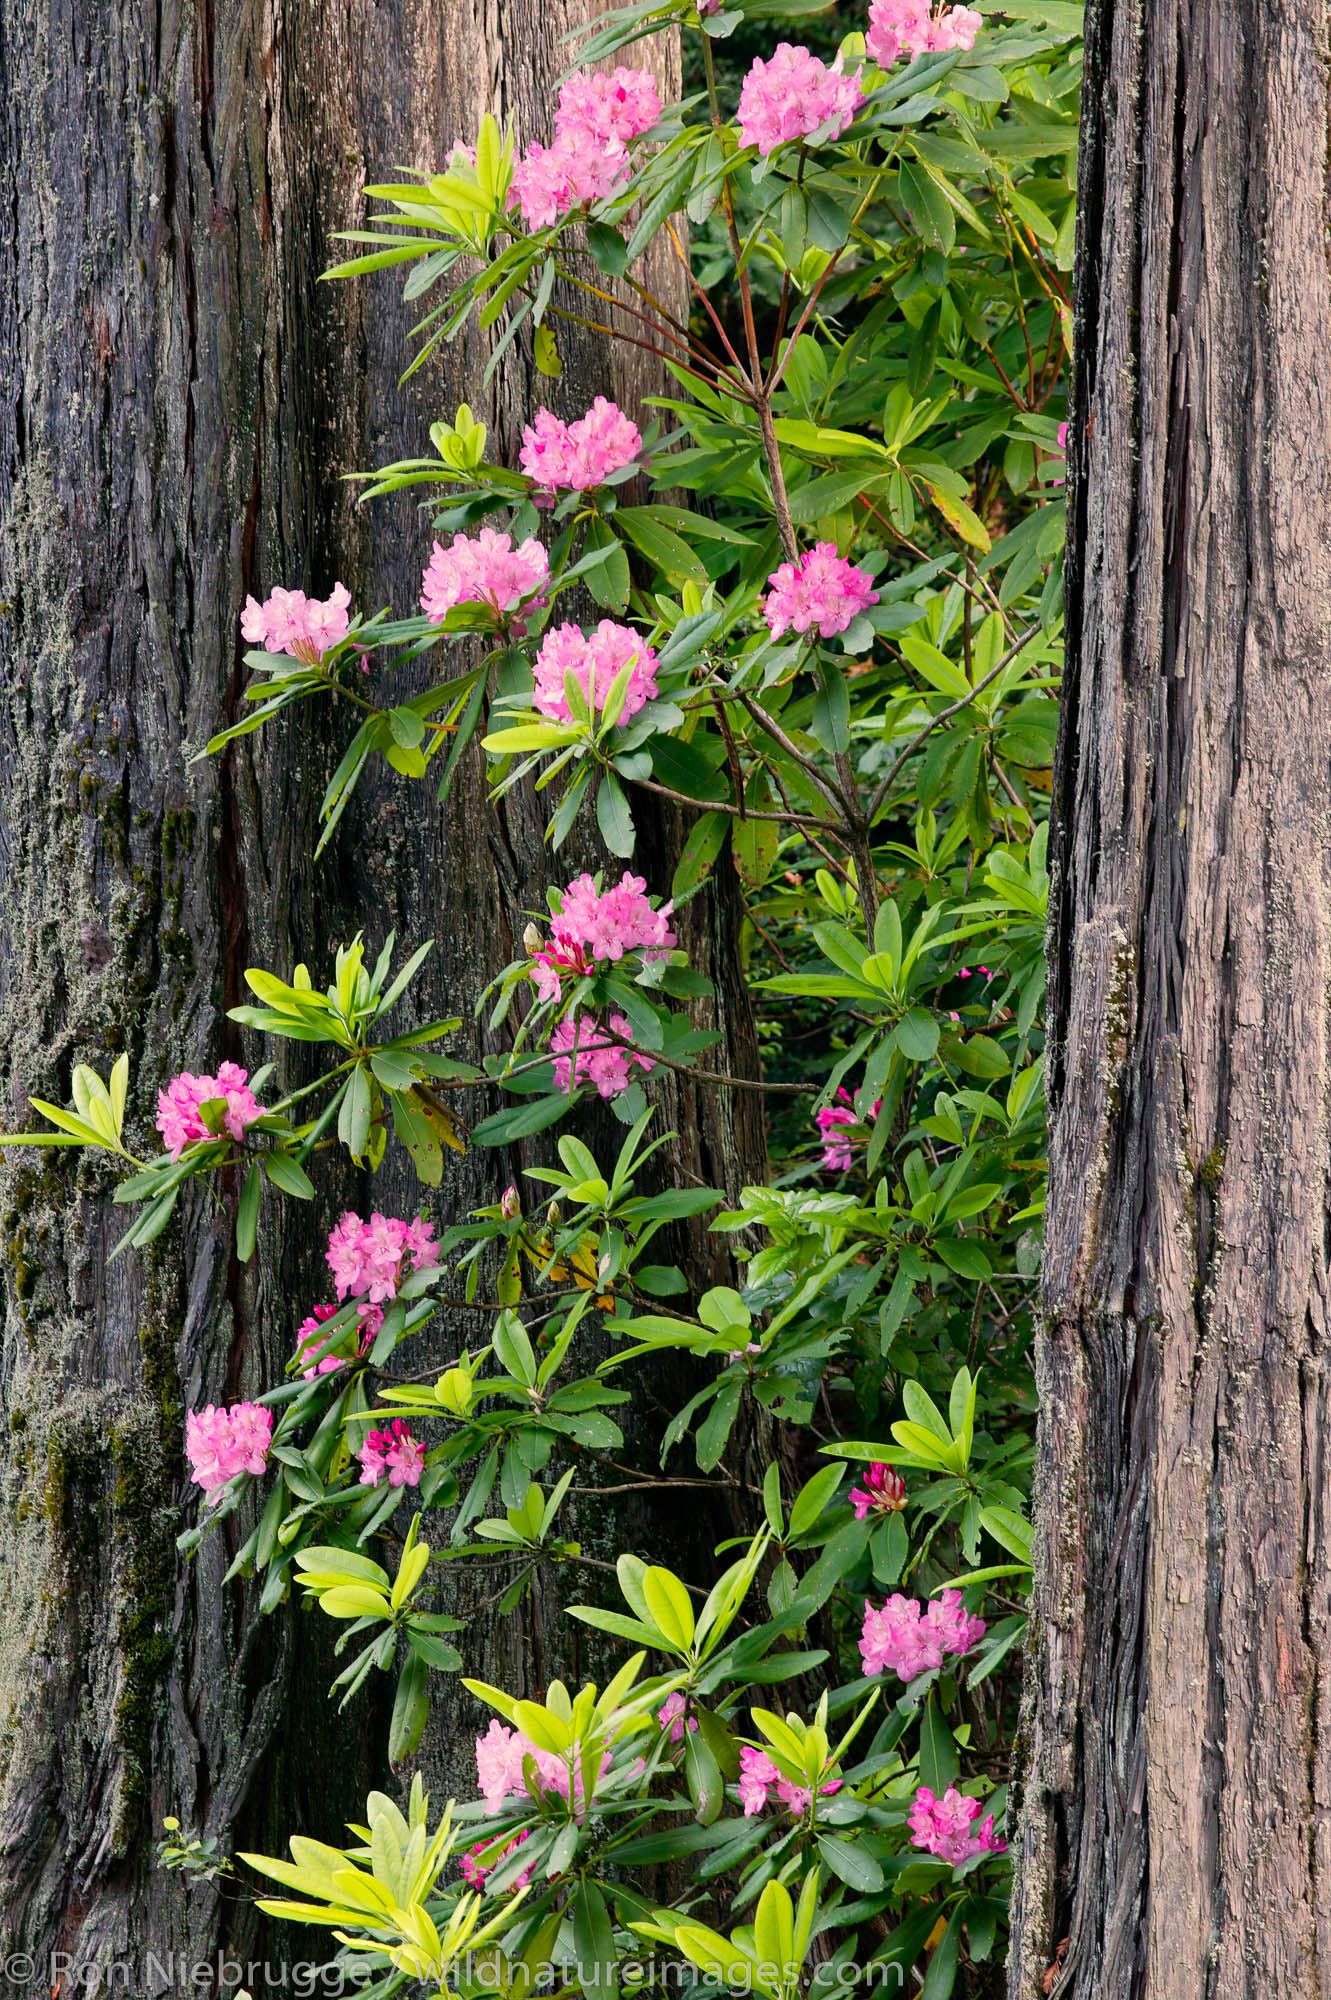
x,y
180,401
1175,1765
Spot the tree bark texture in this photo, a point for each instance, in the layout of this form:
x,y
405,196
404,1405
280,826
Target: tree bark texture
x,y
1176,1836
181,400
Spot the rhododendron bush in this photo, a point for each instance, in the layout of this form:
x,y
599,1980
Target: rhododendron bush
x,y
812,597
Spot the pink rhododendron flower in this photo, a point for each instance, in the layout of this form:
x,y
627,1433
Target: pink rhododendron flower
x,y
821,589
905,1639
883,1492
485,1857
913,25
836,1122
220,1443
310,1335
759,1777
596,119
671,1716
594,659
548,181
757,1774
791,95
943,1826
616,108
594,924
483,569
367,1259
179,1118
291,622
960,1629
394,1452
584,1054
500,1755
797,1798
830,1122
573,457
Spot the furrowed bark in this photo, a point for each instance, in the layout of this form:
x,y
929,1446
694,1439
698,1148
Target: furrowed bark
x,y
1175,1775
182,401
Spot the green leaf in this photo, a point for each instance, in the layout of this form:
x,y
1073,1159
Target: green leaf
x,y
411,1707
521,1122
608,580
411,1122
353,1118
247,1214
660,544
284,1173
830,722
594,1942
964,1257
917,1035
715,1429
853,1863
813,1499
613,816
608,249
938,1752
940,1980
701,849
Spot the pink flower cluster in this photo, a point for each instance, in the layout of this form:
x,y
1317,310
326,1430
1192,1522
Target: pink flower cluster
x,y
943,1826
614,110
672,1718
309,1338
914,26
593,924
594,659
571,457
394,1452
179,1115
821,589
367,1259
291,622
500,1755
583,1054
883,1492
483,569
903,1638
596,120
485,1857
791,95
835,1123
221,1443
759,1777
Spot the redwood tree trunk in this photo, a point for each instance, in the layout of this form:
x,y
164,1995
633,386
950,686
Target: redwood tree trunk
x,y
180,401
1178,1769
